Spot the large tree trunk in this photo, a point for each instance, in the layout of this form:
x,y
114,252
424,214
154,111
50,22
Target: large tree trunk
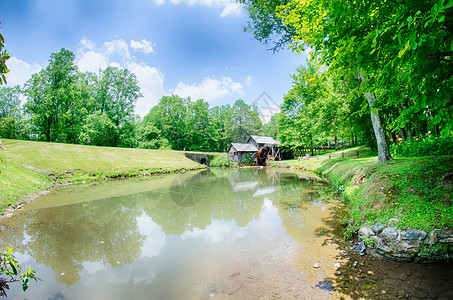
x,y
383,148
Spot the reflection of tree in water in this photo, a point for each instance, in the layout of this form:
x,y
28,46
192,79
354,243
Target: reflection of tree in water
x,y
65,237
196,202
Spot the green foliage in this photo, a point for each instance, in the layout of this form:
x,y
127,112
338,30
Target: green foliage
x,y
11,123
370,242
241,122
11,271
65,105
314,112
99,130
434,252
192,126
426,146
221,161
246,160
4,56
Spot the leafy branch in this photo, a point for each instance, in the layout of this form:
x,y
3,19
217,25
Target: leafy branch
x,y
11,271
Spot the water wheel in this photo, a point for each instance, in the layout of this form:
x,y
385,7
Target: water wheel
x,y
262,155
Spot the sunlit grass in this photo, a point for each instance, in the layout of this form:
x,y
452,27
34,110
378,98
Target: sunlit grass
x,y
16,180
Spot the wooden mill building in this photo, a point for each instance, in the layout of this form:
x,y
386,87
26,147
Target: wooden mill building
x,y
258,148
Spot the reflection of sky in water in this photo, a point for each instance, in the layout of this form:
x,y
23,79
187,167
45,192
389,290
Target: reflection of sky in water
x,y
217,232
245,186
265,191
155,237
319,203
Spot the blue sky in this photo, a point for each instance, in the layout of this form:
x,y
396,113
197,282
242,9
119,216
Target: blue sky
x,y
193,48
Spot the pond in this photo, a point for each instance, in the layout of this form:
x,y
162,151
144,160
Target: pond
x,y
212,234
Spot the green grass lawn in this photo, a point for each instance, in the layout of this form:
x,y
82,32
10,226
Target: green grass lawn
x,y
30,167
417,191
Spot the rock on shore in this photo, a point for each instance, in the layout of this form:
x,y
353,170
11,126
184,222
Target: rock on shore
x,y
408,245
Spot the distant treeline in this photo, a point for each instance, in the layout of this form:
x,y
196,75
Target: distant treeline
x,y
65,105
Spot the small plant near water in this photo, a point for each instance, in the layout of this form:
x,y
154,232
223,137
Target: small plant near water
x,y
434,252
11,271
370,243
221,161
246,160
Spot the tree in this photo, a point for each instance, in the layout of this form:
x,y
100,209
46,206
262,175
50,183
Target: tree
x,y
242,121
170,117
51,99
10,112
115,96
99,130
271,127
266,26
201,131
219,115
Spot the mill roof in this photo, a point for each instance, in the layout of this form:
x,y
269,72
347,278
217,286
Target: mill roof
x,y
241,147
264,140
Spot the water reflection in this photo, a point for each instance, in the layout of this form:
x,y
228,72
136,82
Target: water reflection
x,y
121,238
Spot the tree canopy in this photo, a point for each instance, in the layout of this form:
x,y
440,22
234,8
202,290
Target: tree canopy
x,y
401,52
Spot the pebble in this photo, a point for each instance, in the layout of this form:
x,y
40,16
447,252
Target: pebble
x,y
316,265
403,277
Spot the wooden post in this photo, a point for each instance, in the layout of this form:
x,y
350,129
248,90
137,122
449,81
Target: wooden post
x,y
357,153
329,155
342,154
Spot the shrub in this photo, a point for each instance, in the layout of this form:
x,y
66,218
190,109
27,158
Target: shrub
x,y
427,146
221,161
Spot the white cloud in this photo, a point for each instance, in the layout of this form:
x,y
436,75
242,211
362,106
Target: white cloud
x,y
117,53
209,89
249,80
118,49
143,46
92,62
20,71
151,83
229,7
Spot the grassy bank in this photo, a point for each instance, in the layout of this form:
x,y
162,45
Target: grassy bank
x,y
30,167
416,191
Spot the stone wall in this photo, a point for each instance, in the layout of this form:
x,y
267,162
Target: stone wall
x,y
203,159
408,245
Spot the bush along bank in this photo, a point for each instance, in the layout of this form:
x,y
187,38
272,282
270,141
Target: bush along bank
x,y
401,210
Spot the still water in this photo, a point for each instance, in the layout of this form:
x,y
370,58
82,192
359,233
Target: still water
x,y
213,234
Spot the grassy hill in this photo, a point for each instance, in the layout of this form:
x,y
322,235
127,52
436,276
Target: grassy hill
x,y
30,167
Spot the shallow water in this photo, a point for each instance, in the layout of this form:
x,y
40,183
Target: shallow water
x,y
214,234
